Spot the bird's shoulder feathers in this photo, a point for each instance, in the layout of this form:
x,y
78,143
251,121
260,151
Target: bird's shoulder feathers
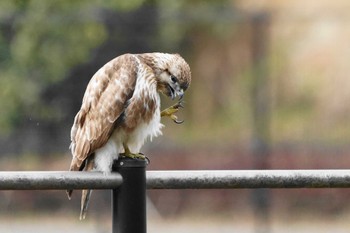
x,y
104,101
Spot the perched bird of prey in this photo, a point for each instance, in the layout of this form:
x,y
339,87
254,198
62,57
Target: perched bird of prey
x,y
121,109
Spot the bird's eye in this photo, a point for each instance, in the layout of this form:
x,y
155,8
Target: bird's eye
x,y
173,78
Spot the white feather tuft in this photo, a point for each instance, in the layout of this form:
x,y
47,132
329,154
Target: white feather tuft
x,y
105,156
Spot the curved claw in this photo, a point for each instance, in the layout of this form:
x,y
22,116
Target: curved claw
x,y
170,112
174,118
178,105
179,122
148,161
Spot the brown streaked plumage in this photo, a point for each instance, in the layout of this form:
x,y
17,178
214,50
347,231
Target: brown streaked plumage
x,y
121,109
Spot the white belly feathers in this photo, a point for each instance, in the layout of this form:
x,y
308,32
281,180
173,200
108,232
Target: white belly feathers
x,y
105,155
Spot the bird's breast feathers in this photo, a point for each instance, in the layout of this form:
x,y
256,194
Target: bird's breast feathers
x,y
142,116
139,121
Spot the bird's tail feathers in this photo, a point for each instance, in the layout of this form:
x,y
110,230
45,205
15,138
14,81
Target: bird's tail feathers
x,y
73,167
85,198
69,194
86,193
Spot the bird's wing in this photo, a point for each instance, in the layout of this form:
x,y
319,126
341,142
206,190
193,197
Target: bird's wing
x,y
103,103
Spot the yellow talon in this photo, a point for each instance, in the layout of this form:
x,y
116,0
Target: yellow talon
x,y
170,112
128,154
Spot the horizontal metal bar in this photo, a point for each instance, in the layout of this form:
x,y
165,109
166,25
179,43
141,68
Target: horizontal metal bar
x,y
186,179
248,179
58,180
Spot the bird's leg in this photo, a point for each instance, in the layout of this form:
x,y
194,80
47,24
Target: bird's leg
x,y
170,112
127,153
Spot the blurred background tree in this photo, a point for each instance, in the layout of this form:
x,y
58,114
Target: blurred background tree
x,y
49,50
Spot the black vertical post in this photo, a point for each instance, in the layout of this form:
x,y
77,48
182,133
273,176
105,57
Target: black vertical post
x,y
129,200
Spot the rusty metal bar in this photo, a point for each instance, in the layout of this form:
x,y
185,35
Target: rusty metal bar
x,y
248,179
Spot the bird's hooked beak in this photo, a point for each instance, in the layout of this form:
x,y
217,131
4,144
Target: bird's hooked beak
x,y
181,94
173,93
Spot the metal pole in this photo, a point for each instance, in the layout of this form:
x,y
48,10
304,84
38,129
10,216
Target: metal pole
x,y
129,200
248,179
45,180
181,179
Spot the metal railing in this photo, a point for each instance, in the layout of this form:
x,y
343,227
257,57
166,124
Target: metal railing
x,y
181,179
130,181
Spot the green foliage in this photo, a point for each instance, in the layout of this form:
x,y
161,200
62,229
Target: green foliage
x,y
40,41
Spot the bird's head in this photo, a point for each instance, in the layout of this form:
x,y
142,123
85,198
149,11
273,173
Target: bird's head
x,y
172,73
